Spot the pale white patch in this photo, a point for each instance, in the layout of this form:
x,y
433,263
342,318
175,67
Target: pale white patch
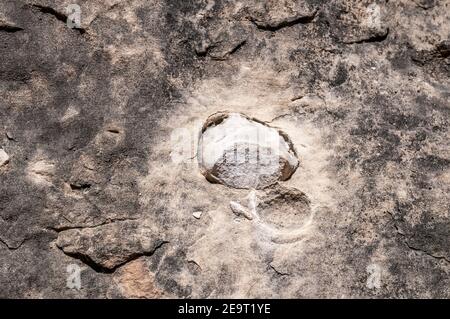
x,y
71,112
374,278
73,276
73,16
40,170
4,158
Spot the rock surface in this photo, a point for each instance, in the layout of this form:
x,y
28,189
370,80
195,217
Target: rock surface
x,y
361,88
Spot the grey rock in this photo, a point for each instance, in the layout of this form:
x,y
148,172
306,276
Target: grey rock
x,y
109,246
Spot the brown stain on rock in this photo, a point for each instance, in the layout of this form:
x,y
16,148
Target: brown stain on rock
x,y
135,280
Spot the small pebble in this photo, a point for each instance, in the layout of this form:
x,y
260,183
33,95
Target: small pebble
x,y
197,214
240,210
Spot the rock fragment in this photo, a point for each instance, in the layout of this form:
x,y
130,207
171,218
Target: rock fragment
x,y
240,210
107,247
197,215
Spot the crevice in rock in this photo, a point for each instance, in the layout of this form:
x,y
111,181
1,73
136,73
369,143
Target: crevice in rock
x,y
9,136
222,57
277,272
80,187
9,28
58,15
237,47
426,252
231,52
213,120
67,219
296,98
279,117
101,269
372,39
107,222
407,244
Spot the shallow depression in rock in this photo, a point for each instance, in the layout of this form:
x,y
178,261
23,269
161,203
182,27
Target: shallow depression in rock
x,y
241,152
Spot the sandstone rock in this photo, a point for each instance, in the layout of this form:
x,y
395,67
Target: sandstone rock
x,y
241,152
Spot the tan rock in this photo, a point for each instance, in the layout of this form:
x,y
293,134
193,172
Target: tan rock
x,y
135,280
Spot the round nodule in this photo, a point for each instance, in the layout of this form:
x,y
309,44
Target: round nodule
x,y
242,152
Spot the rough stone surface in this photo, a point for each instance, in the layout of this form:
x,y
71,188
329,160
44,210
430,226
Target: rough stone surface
x,y
86,116
106,247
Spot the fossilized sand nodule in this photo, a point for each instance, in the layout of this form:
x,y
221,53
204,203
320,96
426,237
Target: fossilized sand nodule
x,y
242,152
